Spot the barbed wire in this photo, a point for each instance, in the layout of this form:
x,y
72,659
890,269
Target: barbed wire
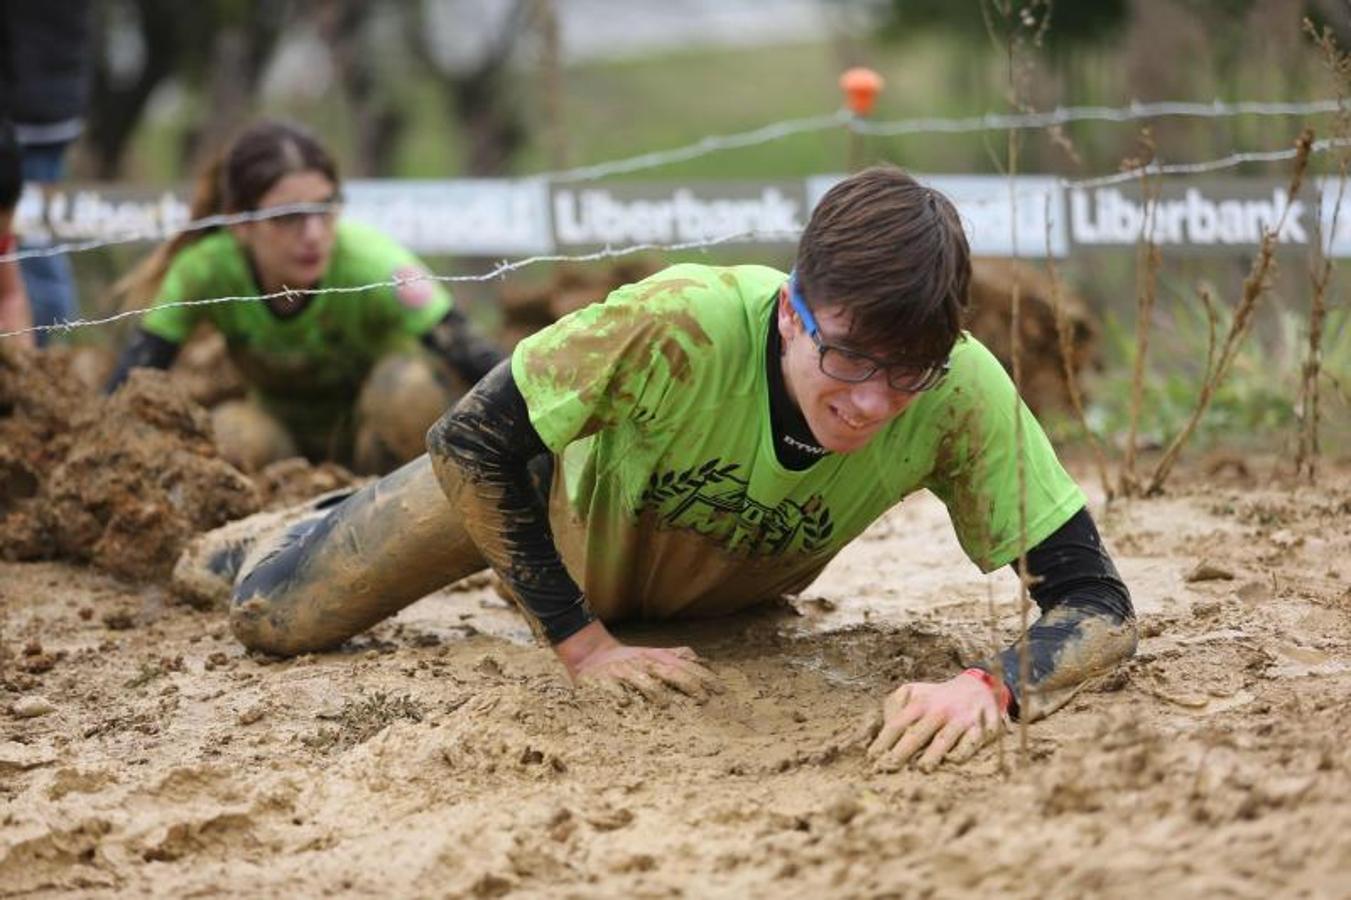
x,y
939,125
1231,161
702,147
1217,109
164,232
501,270
1152,169
762,135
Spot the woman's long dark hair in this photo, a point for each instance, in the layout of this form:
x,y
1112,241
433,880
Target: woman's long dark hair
x,y
233,182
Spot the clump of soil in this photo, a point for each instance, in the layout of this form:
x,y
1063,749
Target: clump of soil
x,y
527,307
121,482
41,399
287,482
1043,370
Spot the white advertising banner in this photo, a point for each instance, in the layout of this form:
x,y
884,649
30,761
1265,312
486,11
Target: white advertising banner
x,y
467,217
989,206
1030,216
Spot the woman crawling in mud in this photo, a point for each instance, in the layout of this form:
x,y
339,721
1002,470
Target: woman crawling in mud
x,y
305,353
708,439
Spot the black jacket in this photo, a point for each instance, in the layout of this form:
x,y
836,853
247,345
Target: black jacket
x,y
45,62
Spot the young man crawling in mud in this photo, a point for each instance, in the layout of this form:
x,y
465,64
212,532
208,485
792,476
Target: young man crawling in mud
x,y
708,439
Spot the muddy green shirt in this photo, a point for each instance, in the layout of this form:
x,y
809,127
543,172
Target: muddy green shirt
x,y
322,355
669,498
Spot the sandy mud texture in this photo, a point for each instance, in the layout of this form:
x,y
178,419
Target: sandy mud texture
x,y
142,751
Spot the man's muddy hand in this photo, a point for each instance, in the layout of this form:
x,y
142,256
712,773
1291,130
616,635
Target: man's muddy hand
x,y
593,657
946,720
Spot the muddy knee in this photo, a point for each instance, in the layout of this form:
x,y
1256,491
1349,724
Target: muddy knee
x,y
400,400
328,578
248,437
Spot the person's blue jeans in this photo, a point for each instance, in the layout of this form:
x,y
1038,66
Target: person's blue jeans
x,y
49,280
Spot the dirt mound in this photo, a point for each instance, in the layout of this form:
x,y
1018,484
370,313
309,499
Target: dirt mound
x,y
121,483
287,482
527,307
992,283
41,399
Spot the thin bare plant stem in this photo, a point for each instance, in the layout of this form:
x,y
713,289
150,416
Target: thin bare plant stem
x,y
1065,341
1148,262
1008,39
1254,286
997,663
1320,273
1213,328
1307,450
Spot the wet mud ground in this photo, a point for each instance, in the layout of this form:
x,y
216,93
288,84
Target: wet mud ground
x,y
143,752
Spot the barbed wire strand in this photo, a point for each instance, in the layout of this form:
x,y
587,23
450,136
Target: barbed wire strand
x,y
1153,169
1066,114
164,232
500,271
765,134
939,125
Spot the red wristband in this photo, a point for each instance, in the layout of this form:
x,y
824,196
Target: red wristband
x,y
1001,693
8,243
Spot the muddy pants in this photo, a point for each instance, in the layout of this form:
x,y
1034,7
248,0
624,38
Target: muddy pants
x,y
398,402
341,570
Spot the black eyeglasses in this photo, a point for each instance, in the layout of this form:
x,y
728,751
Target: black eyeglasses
x,y
853,367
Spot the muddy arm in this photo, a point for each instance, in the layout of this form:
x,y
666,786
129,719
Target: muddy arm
x,y
1087,623
481,451
146,350
468,353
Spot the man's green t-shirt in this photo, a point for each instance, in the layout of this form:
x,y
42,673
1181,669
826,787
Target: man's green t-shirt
x,y
668,498
318,358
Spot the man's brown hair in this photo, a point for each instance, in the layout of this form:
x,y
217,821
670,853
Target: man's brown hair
x,y
891,253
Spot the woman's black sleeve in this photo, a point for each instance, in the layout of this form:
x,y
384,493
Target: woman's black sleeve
x,y
1072,575
488,437
146,350
464,348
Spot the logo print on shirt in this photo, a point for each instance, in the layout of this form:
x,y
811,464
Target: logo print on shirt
x,y
711,500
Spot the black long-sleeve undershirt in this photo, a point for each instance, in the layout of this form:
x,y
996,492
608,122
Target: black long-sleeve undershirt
x,y
463,347
1072,574
489,437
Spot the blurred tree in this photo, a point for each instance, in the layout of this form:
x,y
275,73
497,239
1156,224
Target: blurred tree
x,y
219,47
139,49
378,121
241,36
480,86
1073,22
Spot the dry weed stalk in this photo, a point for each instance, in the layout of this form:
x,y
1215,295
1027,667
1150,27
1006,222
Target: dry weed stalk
x,y
1065,343
1021,25
998,666
1320,268
1254,286
1148,261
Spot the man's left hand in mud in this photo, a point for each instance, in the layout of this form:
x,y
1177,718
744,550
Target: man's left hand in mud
x,y
945,720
